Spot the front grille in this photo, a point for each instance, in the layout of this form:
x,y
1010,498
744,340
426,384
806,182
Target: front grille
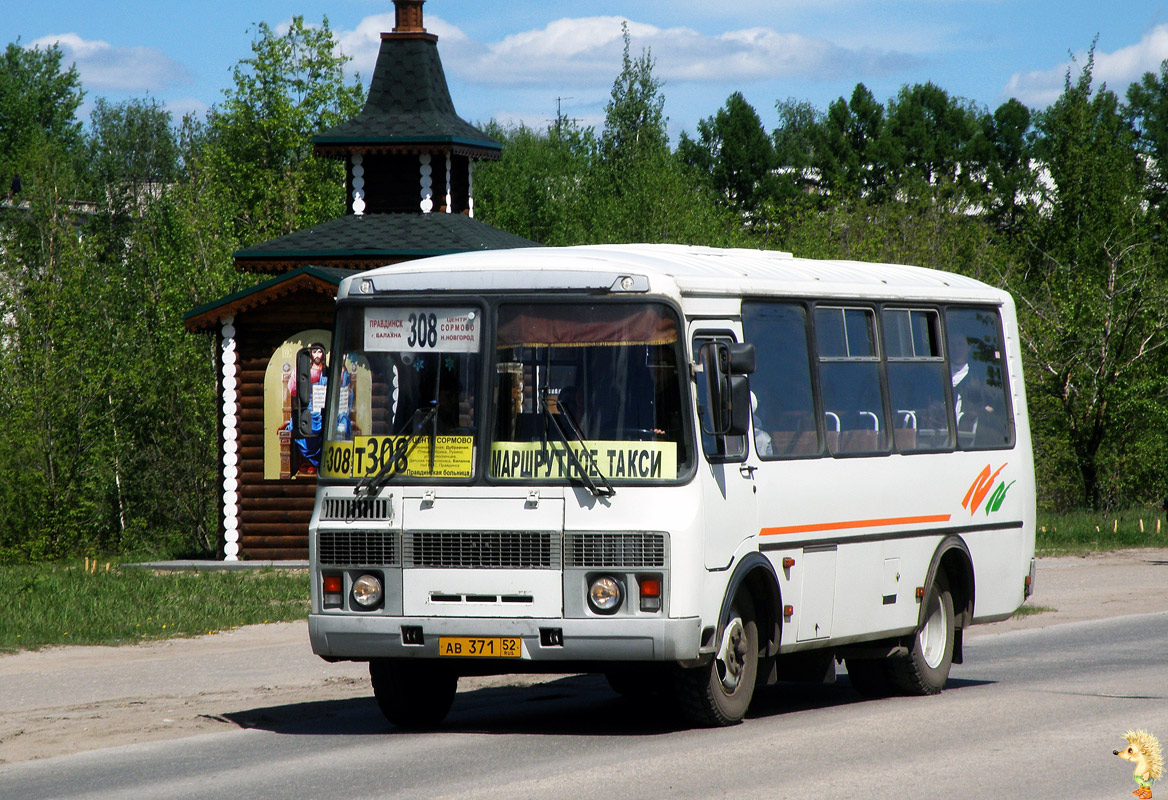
x,y
367,548
346,509
635,550
481,549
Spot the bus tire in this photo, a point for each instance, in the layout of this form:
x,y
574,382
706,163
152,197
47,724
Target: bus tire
x,y
926,667
718,694
412,694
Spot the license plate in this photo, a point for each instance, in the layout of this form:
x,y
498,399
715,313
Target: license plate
x,y
486,647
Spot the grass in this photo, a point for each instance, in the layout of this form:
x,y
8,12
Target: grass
x,y
1083,532
1027,611
56,604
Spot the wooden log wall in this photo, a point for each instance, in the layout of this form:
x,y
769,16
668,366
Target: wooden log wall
x,y
273,514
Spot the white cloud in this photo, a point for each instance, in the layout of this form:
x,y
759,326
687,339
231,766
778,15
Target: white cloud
x,y
1118,69
105,67
587,50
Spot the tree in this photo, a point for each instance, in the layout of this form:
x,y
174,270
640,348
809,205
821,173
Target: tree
x,y
926,143
1002,152
733,149
534,188
38,105
1147,102
797,138
133,153
638,191
847,157
257,145
1092,293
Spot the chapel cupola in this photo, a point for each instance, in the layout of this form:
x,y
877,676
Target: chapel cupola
x,y
408,150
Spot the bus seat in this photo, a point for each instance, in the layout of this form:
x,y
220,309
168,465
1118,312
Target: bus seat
x,y
794,443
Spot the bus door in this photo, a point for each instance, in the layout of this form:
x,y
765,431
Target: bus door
x,y
727,467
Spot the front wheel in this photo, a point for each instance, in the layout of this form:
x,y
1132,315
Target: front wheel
x,y
926,668
412,694
719,694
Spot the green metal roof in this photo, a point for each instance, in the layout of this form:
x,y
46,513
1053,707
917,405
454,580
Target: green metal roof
x,y
386,237
329,275
409,103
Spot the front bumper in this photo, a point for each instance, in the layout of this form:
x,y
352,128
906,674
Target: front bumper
x,y
352,636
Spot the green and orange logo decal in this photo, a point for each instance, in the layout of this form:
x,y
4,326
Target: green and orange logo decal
x,y
981,487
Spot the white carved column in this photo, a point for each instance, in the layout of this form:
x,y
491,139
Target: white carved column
x,y
427,183
448,203
230,442
358,184
470,188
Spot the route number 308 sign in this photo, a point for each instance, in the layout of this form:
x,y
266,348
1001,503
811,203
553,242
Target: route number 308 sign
x,y
442,330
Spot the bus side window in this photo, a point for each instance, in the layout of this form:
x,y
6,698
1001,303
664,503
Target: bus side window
x,y
849,374
977,372
784,408
916,379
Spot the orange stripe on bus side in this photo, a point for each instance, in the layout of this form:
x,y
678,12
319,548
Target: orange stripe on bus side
x,y
854,523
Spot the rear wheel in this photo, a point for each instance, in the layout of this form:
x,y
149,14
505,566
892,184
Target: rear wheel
x,y
412,693
926,668
719,693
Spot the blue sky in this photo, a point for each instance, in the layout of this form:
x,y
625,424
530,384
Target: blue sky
x,y
511,59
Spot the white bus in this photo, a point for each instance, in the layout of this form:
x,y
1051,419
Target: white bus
x,y
692,470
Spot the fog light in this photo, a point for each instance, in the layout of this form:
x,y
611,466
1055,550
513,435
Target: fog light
x,y
333,587
367,591
604,595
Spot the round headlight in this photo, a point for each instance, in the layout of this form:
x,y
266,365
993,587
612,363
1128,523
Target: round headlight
x,y
367,591
604,595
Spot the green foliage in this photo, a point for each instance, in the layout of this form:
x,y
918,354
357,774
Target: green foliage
x,y
66,603
926,143
111,405
733,149
1092,292
38,107
569,186
535,189
257,145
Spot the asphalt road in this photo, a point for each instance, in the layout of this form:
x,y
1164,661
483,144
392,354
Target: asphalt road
x,y
1034,712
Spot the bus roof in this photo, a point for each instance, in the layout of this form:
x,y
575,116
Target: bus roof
x,y
692,270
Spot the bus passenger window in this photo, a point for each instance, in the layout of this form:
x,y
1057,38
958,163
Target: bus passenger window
x,y
849,374
978,375
916,380
784,408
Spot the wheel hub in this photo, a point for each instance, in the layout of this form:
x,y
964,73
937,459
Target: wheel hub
x,y
731,658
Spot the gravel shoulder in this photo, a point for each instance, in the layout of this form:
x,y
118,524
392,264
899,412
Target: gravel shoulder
x,y
72,699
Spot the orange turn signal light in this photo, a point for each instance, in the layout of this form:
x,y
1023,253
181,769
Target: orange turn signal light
x,y
333,584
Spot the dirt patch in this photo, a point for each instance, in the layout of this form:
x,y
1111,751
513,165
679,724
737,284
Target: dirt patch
x,y
73,699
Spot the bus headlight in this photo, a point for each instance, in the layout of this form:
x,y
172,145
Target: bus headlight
x,y
604,595
367,591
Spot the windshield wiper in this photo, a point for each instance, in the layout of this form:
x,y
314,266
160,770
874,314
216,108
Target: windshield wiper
x,y
605,489
371,484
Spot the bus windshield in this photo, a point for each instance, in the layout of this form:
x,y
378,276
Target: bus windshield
x,y
602,380
403,399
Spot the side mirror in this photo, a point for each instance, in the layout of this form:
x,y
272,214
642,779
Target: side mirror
x,y
725,366
309,397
